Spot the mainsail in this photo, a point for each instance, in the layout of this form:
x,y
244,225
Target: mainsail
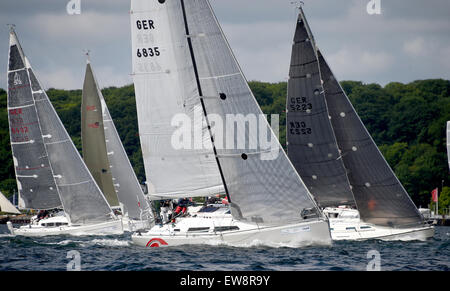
x,y
182,63
6,206
51,173
93,137
165,87
379,196
312,145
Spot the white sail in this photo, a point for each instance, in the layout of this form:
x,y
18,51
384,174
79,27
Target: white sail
x,y
182,63
448,143
69,178
6,206
165,87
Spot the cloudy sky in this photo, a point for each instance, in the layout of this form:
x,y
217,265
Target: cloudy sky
x,y
409,40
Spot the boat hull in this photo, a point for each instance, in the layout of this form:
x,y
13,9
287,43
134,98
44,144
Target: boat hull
x,y
132,225
105,228
353,231
294,235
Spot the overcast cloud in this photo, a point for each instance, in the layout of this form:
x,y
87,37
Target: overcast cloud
x,y
410,40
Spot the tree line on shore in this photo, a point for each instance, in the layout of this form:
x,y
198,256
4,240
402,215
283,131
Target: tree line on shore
x,y
407,121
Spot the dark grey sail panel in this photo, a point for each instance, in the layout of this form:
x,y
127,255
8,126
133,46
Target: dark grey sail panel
x,y
380,197
16,61
312,145
37,189
93,138
261,189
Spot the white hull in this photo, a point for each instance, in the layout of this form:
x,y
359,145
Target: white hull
x,y
353,231
105,228
346,225
132,225
218,227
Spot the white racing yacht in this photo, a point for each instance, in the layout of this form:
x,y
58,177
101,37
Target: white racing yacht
x,y
50,172
184,70
337,158
107,160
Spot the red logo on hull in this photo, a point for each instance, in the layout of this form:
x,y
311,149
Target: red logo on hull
x,y
156,242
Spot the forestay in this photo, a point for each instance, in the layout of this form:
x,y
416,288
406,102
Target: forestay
x,y
66,175
312,145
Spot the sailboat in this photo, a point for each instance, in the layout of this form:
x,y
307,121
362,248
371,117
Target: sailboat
x,y
337,158
107,160
6,206
184,67
50,172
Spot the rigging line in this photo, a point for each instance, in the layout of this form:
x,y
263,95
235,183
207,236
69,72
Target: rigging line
x,y
191,50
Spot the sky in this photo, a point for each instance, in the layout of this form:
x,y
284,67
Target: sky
x,y
409,40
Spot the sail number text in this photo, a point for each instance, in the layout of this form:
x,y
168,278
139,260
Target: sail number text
x,y
299,128
299,104
145,24
148,52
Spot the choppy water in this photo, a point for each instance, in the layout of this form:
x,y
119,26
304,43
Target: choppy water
x,y
119,253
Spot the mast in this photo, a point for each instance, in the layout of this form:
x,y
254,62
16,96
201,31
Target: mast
x,y
200,92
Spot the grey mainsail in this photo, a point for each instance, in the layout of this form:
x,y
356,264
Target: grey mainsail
x,y
67,177
312,145
260,181
93,137
379,195
37,189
